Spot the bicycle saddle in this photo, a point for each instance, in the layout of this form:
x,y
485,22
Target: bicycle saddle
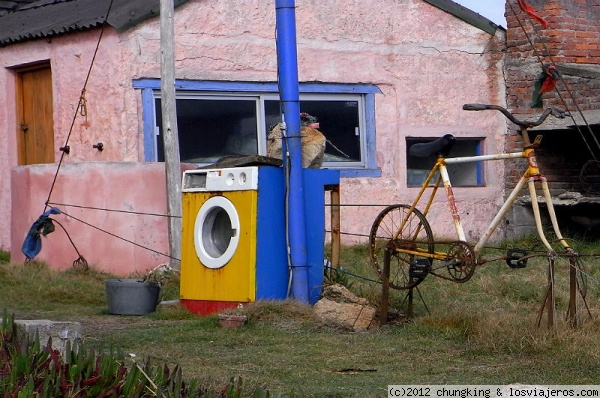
x,y
439,147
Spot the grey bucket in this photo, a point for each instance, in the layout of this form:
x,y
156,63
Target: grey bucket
x,y
131,296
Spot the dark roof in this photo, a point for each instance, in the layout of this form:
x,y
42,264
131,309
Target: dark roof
x,y
467,15
22,20
26,19
13,5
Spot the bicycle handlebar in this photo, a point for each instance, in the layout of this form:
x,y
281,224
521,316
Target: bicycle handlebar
x,y
549,111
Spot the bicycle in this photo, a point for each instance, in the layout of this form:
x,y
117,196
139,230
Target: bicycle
x,y
402,236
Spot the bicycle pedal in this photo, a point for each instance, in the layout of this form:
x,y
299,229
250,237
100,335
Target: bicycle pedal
x,y
419,268
514,258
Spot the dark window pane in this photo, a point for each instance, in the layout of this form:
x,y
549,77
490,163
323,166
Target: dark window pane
x,y
461,175
212,128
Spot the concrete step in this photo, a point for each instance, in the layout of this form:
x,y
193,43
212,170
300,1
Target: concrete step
x,y
61,332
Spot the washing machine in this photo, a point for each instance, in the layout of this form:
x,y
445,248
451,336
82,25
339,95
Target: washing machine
x,y
233,237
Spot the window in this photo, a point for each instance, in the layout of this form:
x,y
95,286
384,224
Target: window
x,y
461,175
212,127
217,119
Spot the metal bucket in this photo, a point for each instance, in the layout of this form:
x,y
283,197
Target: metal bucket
x,y
131,296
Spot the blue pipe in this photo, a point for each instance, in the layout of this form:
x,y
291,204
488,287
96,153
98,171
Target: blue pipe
x,y
290,98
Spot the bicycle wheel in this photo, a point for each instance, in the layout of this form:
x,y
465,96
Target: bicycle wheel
x,y
415,235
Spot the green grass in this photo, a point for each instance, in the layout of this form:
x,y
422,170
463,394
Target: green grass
x,y
483,331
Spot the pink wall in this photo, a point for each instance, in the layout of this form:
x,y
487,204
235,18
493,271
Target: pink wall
x,y
426,62
125,186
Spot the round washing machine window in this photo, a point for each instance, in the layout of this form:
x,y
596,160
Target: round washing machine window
x,y
216,232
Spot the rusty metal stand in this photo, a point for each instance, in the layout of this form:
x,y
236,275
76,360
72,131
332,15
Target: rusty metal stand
x,y
549,302
385,292
574,288
385,287
572,311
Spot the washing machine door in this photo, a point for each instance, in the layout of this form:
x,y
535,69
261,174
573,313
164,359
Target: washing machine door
x,y
216,232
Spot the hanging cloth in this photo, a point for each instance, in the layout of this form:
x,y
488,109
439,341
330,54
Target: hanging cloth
x,y
41,227
527,8
545,82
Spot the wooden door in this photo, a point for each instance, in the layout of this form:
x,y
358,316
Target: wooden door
x,y
35,129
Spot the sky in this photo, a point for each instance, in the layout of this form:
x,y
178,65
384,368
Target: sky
x,y
491,9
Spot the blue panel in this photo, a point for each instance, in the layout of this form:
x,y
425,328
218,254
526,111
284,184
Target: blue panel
x,y
315,181
271,252
257,87
149,134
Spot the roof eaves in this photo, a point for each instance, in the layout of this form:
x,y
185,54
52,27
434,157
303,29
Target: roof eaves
x,y
467,15
45,18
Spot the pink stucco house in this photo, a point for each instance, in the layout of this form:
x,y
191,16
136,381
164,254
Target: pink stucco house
x,y
379,74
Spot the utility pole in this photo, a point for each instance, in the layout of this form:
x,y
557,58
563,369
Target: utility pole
x,y
169,129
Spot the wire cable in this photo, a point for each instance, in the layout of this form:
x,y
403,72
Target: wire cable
x,y
120,237
113,210
79,103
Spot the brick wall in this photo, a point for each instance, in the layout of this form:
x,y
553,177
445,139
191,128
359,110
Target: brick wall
x,y
571,41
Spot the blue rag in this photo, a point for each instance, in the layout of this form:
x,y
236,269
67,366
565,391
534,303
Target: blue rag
x,y
42,226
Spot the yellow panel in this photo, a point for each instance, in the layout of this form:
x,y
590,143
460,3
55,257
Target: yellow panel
x,y
236,280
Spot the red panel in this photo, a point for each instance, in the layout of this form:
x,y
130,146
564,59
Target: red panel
x,y
204,307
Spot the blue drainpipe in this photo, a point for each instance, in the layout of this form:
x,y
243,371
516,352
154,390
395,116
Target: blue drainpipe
x,y
288,91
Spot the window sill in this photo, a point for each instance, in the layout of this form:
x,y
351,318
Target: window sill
x,y
354,173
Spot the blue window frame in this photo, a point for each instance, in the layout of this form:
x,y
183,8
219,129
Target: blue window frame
x,y
217,119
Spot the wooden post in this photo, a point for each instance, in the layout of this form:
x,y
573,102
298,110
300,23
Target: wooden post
x,y
170,131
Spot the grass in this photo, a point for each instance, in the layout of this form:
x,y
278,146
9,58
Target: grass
x,y
479,332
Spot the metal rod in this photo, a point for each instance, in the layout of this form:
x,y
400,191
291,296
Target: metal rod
x,y
478,158
536,215
572,312
550,304
501,213
452,203
287,63
385,287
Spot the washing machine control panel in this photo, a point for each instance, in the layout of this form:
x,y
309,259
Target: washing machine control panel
x,y
229,179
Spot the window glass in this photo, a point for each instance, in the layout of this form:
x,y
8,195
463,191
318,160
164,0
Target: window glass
x,y
339,121
461,175
222,118
211,128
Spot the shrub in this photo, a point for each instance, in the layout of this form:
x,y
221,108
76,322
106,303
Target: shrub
x,y
28,369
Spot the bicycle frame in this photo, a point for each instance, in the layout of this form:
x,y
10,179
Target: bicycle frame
x,y
530,177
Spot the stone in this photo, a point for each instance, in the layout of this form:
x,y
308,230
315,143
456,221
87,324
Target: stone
x,y
340,308
60,332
